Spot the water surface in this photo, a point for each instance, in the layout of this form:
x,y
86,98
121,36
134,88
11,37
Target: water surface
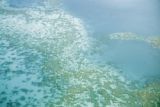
x,y
79,53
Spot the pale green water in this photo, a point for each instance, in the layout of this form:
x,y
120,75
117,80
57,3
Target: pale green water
x,y
49,59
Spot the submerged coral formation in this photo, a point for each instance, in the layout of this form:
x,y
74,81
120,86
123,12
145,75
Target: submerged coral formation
x,y
150,95
125,36
154,41
45,62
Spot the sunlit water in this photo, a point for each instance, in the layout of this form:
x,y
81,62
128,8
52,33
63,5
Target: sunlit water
x,y
79,53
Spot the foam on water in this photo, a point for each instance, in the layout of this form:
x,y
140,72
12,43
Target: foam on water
x,y
45,62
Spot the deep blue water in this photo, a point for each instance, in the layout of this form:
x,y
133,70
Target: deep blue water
x,y
110,16
103,17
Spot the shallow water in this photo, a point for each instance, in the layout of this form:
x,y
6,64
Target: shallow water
x,y
55,54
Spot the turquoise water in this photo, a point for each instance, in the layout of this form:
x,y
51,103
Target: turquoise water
x,y
58,54
136,59
110,16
